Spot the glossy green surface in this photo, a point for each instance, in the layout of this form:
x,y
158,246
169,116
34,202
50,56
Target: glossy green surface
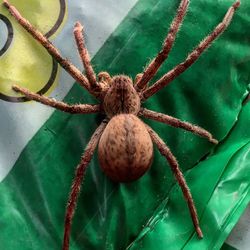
x,y
150,213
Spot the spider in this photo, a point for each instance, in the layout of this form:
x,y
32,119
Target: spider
x,y
125,143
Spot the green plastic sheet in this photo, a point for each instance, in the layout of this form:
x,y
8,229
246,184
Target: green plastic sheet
x,y
151,212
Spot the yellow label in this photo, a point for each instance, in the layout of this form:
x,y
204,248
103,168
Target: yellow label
x,y
24,61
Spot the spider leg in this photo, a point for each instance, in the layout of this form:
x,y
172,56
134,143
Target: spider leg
x,y
137,78
83,52
193,56
172,121
53,51
73,109
75,189
155,64
165,151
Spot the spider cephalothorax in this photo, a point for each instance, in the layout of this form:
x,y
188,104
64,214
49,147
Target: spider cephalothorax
x,y
121,97
125,148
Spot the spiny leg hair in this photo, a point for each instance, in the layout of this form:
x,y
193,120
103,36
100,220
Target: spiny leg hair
x,y
172,121
193,56
165,151
153,67
76,186
73,109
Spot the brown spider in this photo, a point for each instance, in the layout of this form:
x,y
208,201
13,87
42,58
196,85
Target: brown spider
x,y
125,146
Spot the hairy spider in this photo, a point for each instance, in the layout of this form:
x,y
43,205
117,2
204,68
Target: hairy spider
x,y
125,143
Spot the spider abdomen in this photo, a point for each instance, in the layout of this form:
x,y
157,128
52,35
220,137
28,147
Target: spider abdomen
x,y
125,149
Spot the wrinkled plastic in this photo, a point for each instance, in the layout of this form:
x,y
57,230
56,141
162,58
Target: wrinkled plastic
x,y
151,212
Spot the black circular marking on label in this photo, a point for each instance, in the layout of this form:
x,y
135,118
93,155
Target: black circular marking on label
x,y
54,63
59,19
42,91
10,34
